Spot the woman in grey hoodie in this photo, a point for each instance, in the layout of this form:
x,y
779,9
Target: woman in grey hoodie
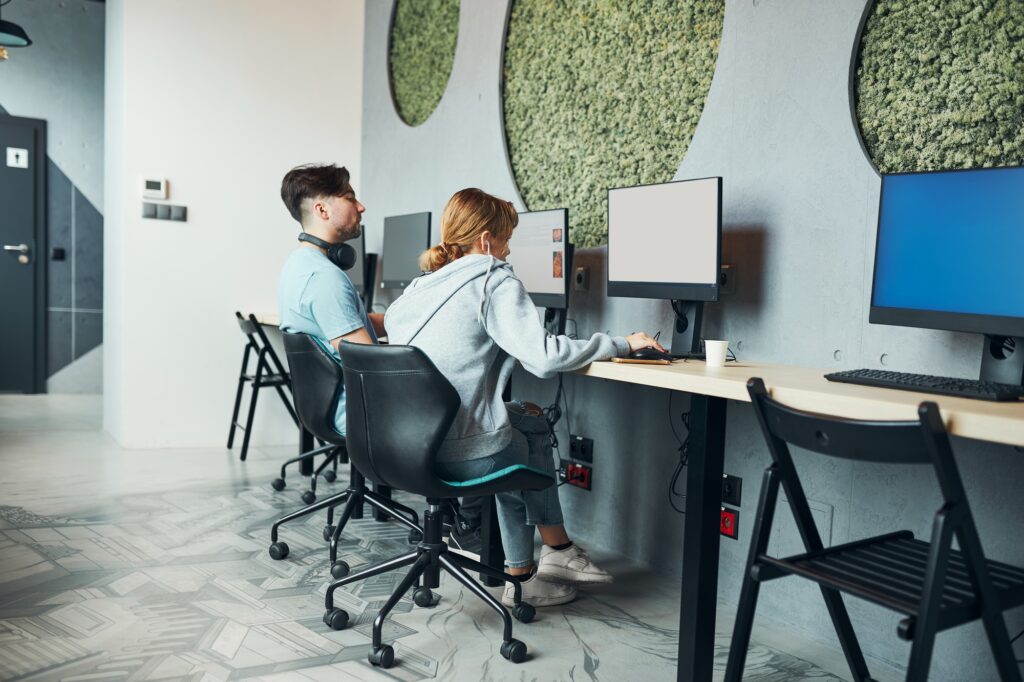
x,y
474,320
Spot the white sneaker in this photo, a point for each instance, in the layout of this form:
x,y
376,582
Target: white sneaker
x,y
539,593
570,565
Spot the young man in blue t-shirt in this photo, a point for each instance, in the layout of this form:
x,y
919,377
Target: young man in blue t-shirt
x,y
315,296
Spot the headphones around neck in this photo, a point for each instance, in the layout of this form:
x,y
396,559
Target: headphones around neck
x,y
342,255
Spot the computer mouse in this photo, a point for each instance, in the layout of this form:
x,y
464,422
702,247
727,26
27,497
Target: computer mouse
x,y
649,353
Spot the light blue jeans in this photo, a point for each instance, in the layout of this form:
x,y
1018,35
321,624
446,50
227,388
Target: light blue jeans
x,y
519,511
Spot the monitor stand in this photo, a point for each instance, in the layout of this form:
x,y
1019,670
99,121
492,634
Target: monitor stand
x,y
554,320
1002,360
686,330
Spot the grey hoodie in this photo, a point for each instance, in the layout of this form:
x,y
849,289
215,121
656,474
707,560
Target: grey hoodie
x,y
475,336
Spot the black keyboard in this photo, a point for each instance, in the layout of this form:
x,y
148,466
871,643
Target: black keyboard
x,y
925,383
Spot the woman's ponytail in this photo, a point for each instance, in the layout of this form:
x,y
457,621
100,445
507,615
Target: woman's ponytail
x,y
436,257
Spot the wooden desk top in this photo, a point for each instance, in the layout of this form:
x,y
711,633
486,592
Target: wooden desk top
x,y
269,319
807,389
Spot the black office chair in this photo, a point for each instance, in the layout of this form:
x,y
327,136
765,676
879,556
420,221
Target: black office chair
x,y
399,411
935,586
269,372
316,383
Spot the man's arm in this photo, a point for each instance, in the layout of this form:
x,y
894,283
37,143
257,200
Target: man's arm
x,y
377,320
358,336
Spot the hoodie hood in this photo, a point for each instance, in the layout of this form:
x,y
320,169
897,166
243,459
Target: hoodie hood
x,y
428,293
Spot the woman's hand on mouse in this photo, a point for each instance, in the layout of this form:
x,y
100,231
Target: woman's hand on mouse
x,y
640,340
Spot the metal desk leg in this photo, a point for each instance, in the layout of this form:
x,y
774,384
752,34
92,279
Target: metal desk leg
x,y
491,553
699,595
305,445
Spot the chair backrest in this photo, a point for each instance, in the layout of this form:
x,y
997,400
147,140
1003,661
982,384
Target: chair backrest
x,y
399,410
924,441
316,384
260,343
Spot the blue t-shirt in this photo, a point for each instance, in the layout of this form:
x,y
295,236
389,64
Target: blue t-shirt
x,y
316,297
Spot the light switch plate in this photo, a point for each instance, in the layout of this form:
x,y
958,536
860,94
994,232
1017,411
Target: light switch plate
x,y
148,210
179,213
163,212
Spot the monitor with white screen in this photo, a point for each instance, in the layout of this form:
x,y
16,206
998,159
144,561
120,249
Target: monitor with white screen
x,y
405,238
665,241
539,256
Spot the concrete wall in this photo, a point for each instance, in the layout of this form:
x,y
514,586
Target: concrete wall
x,y
221,100
59,79
800,203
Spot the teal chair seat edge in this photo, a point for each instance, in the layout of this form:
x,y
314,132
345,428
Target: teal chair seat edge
x,y
495,475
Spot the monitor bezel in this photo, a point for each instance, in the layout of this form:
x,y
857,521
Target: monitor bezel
x,y
995,325
680,291
555,301
399,283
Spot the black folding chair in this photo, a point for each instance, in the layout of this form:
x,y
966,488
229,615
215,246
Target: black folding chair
x,y
269,372
935,586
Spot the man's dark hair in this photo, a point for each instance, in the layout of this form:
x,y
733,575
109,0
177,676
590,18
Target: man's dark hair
x,y
312,182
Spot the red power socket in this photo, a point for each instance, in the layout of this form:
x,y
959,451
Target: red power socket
x,y
729,523
578,475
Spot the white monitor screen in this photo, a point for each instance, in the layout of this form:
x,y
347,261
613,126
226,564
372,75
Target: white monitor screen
x,y
538,251
667,234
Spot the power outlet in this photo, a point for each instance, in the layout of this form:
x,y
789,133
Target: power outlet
x,y
732,489
563,470
729,523
581,448
578,475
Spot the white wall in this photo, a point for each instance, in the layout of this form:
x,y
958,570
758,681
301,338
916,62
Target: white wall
x,y
221,98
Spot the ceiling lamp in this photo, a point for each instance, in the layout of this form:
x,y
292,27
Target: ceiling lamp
x,y
12,35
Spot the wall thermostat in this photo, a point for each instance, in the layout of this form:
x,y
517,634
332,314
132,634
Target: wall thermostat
x,y
154,189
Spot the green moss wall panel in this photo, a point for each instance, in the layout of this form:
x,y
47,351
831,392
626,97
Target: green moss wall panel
x,y
602,93
421,51
941,84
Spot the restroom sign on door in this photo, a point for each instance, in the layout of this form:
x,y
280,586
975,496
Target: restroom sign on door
x,y
17,158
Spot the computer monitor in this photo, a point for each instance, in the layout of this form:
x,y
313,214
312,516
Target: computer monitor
x,y
357,273
541,255
665,241
948,256
538,255
405,238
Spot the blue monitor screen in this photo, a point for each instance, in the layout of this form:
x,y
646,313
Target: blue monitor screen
x,y
952,242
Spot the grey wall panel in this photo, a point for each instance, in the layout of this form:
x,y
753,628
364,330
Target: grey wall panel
x,y
58,341
88,254
799,208
58,234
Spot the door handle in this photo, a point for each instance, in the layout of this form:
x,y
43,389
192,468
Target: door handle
x,y
19,248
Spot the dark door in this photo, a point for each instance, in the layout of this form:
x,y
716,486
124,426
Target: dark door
x,y
22,238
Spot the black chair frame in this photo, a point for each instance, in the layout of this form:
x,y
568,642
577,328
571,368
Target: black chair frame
x,y
399,410
269,372
316,388
935,586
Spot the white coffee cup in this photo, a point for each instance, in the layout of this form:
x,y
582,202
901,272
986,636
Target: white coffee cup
x,y
714,352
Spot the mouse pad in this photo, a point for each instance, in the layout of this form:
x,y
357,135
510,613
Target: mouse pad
x,y
634,361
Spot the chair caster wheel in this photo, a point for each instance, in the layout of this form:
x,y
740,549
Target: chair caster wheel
x,y
278,484
309,497
384,656
339,569
328,533
330,476
524,612
278,551
422,596
415,536
514,650
336,619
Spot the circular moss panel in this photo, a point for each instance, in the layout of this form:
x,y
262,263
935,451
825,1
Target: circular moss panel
x,y
603,93
420,55
941,84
